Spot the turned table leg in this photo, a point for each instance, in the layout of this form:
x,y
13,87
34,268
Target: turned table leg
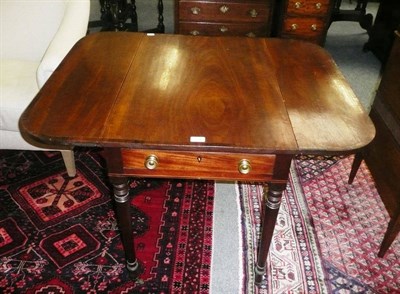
x,y
271,202
123,210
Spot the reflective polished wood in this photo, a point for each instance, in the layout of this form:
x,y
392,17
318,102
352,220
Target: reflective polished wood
x,y
198,107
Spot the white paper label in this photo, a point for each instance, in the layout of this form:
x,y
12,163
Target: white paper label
x,y
197,139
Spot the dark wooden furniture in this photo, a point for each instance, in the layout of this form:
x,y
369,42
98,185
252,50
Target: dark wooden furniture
x,y
359,14
387,20
176,106
121,15
383,155
250,18
303,19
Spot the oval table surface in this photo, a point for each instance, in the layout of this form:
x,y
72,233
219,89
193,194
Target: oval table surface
x,y
233,94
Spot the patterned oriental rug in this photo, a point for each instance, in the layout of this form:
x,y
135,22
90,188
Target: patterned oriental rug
x,y
327,236
59,235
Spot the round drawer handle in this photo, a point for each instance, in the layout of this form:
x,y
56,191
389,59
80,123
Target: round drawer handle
x,y
251,35
314,27
244,166
318,5
223,29
224,9
195,10
253,13
297,5
151,162
294,27
194,33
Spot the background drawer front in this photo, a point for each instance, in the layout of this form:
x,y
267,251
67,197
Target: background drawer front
x,y
199,165
224,29
303,27
308,7
223,12
229,1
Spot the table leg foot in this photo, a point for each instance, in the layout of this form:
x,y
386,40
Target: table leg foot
x,y
135,269
259,274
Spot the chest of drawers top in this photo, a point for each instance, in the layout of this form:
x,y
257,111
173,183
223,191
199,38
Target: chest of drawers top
x,y
304,19
308,7
224,17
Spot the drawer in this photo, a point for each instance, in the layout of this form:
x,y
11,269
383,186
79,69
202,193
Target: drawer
x,y
308,7
223,12
197,165
304,28
227,29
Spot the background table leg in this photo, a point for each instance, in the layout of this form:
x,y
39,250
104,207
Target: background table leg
x,y
272,202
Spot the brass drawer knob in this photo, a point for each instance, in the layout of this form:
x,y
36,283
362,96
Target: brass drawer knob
x,y
251,35
253,13
151,162
318,5
297,5
224,9
223,29
194,33
294,27
244,166
314,27
195,10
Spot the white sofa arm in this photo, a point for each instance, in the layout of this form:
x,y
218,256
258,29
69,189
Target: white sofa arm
x,y
73,27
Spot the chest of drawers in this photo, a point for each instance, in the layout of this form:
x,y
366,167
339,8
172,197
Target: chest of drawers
x,y
304,19
224,17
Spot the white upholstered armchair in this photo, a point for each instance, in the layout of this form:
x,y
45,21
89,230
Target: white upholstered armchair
x,y
35,37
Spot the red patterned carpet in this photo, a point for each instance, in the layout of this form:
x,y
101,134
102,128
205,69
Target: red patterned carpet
x,y
350,221
59,235
328,233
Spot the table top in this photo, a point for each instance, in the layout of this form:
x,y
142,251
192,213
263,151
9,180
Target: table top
x,y
198,93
